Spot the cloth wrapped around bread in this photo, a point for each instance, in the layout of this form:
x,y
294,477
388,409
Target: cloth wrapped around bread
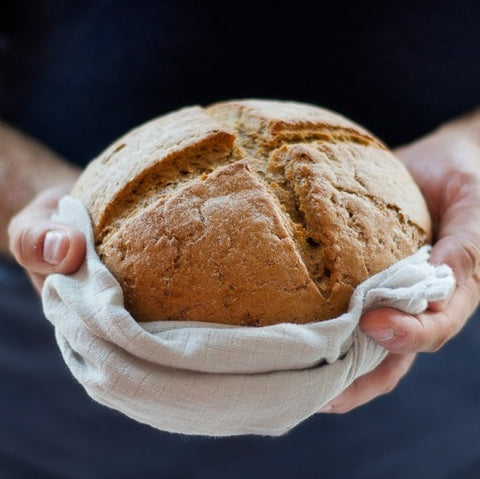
x,y
249,212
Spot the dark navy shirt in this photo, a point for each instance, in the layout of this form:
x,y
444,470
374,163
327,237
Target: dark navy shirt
x,y
77,74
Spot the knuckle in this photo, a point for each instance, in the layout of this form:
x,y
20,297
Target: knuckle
x,y
460,179
469,255
462,254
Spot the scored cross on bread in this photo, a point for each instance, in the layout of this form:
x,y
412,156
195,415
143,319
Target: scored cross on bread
x,y
249,212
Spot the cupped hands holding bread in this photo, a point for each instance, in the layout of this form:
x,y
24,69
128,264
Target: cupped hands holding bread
x,y
261,212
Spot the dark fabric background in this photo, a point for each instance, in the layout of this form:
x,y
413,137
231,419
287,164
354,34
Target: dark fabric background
x,y
77,74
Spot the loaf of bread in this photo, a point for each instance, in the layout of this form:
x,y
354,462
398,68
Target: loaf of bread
x,y
249,212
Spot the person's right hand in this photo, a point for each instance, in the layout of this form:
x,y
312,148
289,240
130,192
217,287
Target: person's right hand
x,y
446,165
43,246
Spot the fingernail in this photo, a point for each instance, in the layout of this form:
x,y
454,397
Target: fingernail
x,y
55,247
382,335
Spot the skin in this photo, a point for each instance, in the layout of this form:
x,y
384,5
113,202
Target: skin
x,y
445,164
33,179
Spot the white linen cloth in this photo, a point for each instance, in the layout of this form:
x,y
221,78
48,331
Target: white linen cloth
x,y
216,380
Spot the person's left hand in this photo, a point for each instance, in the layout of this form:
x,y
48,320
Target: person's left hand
x,y
447,169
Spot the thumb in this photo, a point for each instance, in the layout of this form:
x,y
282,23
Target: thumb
x,y
43,246
46,247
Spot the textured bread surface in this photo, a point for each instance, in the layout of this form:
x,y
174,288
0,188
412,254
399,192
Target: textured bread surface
x,y
249,212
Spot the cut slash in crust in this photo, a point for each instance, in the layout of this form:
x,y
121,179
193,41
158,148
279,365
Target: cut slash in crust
x,y
249,212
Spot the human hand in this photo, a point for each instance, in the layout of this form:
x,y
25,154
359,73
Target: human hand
x,y
41,245
447,168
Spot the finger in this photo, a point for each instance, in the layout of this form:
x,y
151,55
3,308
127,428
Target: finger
x,y
458,241
45,247
458,238
448,173
401,333
381,380
460,251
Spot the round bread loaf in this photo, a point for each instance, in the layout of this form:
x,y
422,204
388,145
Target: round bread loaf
x,y
249,212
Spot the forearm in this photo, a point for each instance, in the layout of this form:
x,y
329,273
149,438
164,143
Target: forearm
x,y
26,168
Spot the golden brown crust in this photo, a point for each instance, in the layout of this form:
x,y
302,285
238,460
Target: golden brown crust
x,y
159,150
250,213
